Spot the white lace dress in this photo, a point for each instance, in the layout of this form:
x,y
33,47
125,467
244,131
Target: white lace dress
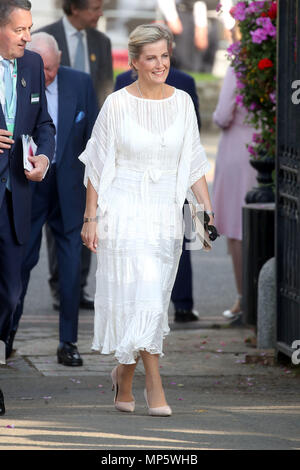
x,y
142,157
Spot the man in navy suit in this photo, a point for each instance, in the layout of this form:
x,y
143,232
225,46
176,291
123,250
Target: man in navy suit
x,y
80,21
23,111
182,293
60,200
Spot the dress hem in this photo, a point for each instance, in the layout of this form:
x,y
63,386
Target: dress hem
x,y
135,354
130,357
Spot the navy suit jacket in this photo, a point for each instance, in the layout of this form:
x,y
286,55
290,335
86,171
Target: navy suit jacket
x,y
77,113
176,78
32,118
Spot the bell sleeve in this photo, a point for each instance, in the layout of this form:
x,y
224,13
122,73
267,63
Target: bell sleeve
x,y
199,164
193,162
99,154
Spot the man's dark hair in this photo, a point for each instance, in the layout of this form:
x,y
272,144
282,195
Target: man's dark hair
x,y
68,4
7,6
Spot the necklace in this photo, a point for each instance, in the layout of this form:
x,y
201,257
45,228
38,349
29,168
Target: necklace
x,y
161,134
138,87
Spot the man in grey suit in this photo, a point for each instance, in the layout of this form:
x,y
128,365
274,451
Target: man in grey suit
x,y
75,32
89,50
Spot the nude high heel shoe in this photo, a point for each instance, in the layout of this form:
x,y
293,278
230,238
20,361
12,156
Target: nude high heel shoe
x,y
127,406
159,411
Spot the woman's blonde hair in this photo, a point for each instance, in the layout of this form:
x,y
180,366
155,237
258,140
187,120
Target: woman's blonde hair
x,y
147,34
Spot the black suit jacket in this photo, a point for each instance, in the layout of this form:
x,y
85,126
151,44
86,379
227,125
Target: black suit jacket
x,y
32,118
100,58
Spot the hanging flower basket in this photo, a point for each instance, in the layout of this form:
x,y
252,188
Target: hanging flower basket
x,y
253,58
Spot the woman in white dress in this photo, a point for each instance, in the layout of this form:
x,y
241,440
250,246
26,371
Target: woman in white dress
x,y
143,156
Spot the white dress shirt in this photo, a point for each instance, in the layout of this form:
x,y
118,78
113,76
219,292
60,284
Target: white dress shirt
x,y
52,102
72,41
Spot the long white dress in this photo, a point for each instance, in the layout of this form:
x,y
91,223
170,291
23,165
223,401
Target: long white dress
x,y
142,157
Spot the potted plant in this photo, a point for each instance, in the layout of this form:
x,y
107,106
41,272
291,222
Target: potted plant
x,y
253,58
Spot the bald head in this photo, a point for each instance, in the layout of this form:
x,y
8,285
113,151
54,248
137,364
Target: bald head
x,y
46,45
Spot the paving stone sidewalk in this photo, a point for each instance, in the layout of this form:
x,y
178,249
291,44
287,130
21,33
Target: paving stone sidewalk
x,y
222,393
219,401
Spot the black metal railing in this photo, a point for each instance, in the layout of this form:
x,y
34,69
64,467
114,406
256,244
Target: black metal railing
x,y
288,176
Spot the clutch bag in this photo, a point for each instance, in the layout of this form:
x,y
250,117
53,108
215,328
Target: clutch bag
x,y
199,227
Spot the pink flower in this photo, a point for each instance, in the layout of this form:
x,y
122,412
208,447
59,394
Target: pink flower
x,y
267,26
251,150
255,7
232,11
240,11
267,29
258,36
256,138
239,100
273,97
219,7
234,48
240,85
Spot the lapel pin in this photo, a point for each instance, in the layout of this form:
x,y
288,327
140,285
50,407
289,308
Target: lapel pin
x,y
23,81
93,57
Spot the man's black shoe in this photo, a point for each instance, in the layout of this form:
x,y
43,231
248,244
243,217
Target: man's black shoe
x,y
68,355
2,407
86,302
186,316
